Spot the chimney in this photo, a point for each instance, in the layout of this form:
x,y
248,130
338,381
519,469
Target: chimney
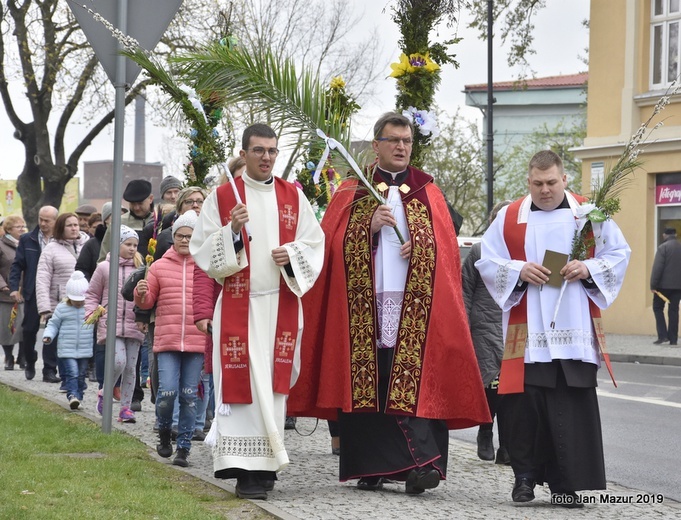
x,y
140,137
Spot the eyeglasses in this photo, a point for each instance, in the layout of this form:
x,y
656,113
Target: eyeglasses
x,y
193,202
260,151
182,238
20,226
394,141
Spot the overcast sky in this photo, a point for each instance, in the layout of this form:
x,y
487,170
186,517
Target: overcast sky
x,y
560,41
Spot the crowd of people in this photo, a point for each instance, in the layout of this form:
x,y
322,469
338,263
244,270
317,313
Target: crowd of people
x,y
253,312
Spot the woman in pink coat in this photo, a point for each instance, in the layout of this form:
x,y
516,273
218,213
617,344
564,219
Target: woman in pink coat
x,y
177,342
128,337
56,265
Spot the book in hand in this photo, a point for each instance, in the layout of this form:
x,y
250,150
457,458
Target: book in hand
x,y
554,262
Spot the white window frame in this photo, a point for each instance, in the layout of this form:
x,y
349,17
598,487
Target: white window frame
x,y
664,21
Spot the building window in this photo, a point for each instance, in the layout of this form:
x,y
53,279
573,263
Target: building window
x,y
664,42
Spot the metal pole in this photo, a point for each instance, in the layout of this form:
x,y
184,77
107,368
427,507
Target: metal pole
x,y
490,103
117,194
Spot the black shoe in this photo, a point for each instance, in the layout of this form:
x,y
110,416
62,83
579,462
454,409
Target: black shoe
x,y
250,487
9,362
51,377
503,456
181,457
421,479
660,341
370,483
164,448
290,423
523,490
136,406
485,446
569,500
206,427
199,435
267,483
674,343
29,371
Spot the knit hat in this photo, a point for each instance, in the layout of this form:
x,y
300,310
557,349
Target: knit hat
x,y
137,190
170,182
187,219
85,209
106,211
76,287
127,233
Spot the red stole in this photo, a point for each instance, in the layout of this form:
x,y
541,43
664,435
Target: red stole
x,y
512,377
236,380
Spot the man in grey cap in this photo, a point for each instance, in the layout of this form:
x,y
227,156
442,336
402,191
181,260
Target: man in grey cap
x,y
170,189
141,211
665,281
84,211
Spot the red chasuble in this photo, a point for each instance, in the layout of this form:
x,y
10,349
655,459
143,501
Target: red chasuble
x,y
236,380
512,376
434,374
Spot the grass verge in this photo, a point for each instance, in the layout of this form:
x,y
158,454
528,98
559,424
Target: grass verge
x,y
57,464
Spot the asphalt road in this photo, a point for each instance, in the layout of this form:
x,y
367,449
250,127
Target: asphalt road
x,y
641,422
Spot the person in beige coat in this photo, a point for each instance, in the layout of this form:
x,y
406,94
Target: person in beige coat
x,y
10,333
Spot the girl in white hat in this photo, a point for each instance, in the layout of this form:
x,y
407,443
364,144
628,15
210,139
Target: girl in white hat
x,y
75,337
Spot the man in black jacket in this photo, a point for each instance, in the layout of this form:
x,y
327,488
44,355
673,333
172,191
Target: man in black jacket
x,y
665,281
26,263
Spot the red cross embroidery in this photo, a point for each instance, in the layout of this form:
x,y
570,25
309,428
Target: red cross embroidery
x,y
288,216
285,344
517,336
600,333
234,348
237,286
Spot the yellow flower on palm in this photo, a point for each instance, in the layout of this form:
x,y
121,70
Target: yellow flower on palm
x,y
413,63
337,83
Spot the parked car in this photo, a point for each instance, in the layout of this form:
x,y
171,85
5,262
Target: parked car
x,y
465,244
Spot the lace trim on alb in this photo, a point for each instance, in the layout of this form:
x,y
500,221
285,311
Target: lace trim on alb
x,y
218,260
609,276
560,338
501,281
246,447
303,265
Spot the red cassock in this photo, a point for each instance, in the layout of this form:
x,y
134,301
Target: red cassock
x,y
434,374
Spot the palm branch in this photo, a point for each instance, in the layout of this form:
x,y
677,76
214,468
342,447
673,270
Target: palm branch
x,y
270,85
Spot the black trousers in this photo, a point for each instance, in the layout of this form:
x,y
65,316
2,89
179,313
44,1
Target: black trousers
x,y
30,326
378,444
664,331
554,435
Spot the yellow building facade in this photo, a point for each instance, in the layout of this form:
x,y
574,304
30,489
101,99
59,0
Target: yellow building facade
x,y
634,54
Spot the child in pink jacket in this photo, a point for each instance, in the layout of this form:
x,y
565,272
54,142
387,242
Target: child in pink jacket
x,y
128,337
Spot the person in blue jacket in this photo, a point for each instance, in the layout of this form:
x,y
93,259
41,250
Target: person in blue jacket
x,y
75,337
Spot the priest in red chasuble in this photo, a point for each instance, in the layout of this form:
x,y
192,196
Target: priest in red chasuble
x,y
552,331
387,349
260,239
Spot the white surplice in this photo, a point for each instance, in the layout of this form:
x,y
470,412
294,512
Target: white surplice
x,y
251,437
573,335
391,272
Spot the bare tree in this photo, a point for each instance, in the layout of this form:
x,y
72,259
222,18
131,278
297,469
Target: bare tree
x,y
42,45
456,160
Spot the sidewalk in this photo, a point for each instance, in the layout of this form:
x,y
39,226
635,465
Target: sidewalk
x,y
309,487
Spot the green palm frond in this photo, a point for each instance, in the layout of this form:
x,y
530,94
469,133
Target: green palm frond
x,y
270,85
165,80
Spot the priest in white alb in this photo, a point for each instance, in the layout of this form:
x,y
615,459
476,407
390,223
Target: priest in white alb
x,y
554,340
266,248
